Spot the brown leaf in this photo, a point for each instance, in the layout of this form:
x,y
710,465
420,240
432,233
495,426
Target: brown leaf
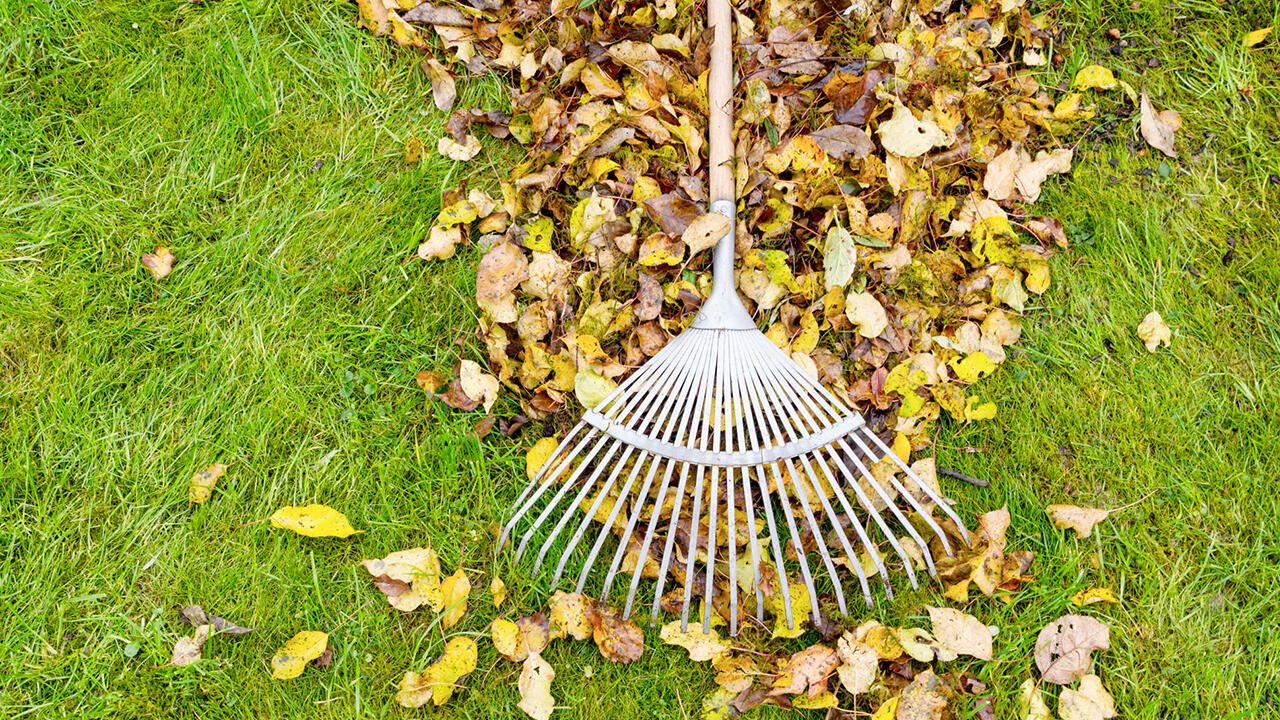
x,y
429,381
195,616
1063,647
159,263
672,212
843,142
187,650
443,90
924,699
430,14
1158,128
619,640
649,300
1079,519
805,669
501,270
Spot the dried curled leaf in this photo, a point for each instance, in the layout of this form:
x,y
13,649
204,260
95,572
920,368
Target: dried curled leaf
x,y
1154,332
1076,518
535,687
187,650
158,262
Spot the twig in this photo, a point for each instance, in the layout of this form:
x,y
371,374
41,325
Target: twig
x,y
961,476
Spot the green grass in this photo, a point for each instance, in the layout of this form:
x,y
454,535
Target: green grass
x,y
263,142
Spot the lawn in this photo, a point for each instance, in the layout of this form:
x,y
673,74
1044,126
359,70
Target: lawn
x,y
263,142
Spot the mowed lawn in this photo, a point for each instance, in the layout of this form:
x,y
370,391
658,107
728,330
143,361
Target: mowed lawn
x,y
263,143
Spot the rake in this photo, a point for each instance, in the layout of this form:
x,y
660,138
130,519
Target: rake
x,y
722,424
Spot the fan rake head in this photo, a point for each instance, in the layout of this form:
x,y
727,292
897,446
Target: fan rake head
x,y
715,451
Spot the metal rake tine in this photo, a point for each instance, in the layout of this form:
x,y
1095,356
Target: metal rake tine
x,y
648,538
941,503
591,512
876,516
719,432
711,551
670,356
613,514
564,488
577,501
703,420
680,397
550,464
744,420
781,400
685,424
731,519
793,382
865,503
756,436
782,496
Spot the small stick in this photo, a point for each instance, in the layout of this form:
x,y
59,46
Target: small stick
x,y
251,522
961,476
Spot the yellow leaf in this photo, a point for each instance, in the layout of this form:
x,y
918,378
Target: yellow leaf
x,y
538,455
535,687
438,681
975,409
461,151
866,313
159,263
498,590
824,699
441,243
888,710
591,388
409,578
292,658
570,615
701,646
540,229
1154,332
413,151
454,591
1094,595
1094,77
1257,36
800,607
516,640
202,483
1079,519
313,521
974,367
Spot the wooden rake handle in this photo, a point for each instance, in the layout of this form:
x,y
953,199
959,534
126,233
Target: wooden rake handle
x,y
720,102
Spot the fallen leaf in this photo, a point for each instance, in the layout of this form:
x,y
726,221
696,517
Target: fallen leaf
x,y
453,592
441,243
1063,647
591,388
409,578
705,232
923,699
1256,37
441,677
201,486
570,615
477,384
159,263
843,142
866,313
501,270
413,151
460,151
443,90
1031,704
858,664
535,687
1158,128
195,616
1154,332
313,521
839,257
701,646
905,136
619,640
1090,701
1094,77
1013,175
498,590
1076,518
187,650
1094,595
430,381
292,658
805,669
516,640
960,632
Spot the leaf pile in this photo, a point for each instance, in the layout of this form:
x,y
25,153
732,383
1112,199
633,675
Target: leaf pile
x,y
883,163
